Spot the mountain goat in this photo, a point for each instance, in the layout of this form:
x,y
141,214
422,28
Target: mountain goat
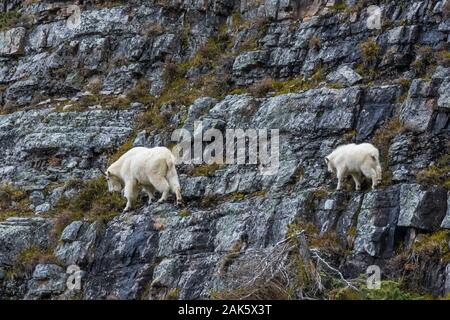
x,y
151,168
353,159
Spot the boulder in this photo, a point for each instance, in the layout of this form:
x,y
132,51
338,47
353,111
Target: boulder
x,y
12,42
77,243
47,280
344,75
19,234
422,208
377,222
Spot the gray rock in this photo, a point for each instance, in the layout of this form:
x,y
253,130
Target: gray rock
x,y
45,207
128,250
156,248
12,41
344,75
249,59
78,240
141,139
447,280
19,234
402,35
45,134
446,221
421,208
47,280
416,113
444,95
37,198
377,223
71,231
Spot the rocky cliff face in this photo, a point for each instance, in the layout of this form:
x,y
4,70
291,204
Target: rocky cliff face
x,y
76,92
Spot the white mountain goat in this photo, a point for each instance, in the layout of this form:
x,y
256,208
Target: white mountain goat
x,y
353,159
151,168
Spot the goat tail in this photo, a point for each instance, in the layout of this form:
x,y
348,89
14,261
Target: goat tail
x,y
376,158
375,155
172,175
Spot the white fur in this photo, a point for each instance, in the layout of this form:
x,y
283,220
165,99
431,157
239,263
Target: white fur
x,y
354,160
151,168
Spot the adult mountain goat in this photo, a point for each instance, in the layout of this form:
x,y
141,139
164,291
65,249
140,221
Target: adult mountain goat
x,y
353,159
151,168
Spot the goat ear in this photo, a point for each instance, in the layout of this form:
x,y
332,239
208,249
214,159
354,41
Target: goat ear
x,y
103,172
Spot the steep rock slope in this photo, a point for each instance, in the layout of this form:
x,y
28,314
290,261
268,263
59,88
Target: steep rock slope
x,y
130,73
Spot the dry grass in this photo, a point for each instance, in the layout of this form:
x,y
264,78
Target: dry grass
x,y
13,202
261,88
436,174
370,51
382,140
29,258
93,203
205,170
9,19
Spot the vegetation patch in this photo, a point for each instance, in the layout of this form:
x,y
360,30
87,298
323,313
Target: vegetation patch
x,y
436,174
91,100
389,290
277,87
340,6
327,242
13,202
436,243
184,213
443,56
370,52
205,170
429,251
92,203
425,62
9,19
210,201
235,196
382,140
28,259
